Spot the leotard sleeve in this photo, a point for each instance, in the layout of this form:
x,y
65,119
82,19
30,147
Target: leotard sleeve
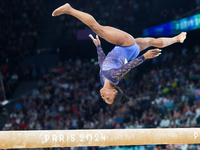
x,y
120,72
101,55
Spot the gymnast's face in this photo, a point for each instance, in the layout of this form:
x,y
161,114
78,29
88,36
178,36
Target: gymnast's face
x,y
108,95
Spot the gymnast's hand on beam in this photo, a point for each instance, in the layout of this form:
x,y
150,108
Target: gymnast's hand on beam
x,y
152,53
95,41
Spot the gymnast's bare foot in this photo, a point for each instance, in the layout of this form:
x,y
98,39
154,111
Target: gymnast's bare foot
x,y
181,37
64,9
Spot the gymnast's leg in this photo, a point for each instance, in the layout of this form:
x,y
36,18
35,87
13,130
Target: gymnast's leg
x,y
110,34
160,42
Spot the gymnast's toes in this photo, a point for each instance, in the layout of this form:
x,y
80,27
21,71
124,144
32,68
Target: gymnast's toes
x,y
64,9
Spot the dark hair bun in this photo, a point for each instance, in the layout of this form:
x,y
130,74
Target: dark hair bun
x,y
125,99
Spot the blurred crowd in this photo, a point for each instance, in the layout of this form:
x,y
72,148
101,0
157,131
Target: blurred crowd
x,y
20,28
67,97
12,75
9,81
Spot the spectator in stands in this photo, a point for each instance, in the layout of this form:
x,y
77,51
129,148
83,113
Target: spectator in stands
x,y
165,122
18,106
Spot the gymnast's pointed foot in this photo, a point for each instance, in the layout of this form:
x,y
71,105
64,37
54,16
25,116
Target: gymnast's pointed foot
x,y
181,37
64,9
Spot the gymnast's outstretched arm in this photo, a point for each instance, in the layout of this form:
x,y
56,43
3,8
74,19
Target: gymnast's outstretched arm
x,y
120,72
101,54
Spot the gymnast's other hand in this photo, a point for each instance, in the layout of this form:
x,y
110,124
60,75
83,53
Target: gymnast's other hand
x,y
95,41
152,53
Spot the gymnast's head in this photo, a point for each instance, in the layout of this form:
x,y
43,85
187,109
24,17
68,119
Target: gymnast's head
x,y
113,96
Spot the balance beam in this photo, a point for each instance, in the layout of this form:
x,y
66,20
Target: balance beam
x,y
77,138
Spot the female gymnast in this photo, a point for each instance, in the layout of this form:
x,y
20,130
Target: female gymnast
x,y
124,55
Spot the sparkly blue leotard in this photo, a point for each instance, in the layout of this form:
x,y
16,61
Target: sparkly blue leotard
x,y
118,62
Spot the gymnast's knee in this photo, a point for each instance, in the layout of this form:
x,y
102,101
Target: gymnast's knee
x,y
151,41
96,28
